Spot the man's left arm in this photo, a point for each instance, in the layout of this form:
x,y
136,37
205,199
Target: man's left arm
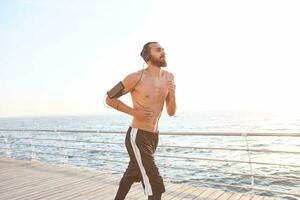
x,y
171,97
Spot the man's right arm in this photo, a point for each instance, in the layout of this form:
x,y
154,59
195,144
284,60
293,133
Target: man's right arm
x,y
120,106
129,82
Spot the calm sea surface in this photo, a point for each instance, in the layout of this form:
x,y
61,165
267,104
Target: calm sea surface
x,y
204,172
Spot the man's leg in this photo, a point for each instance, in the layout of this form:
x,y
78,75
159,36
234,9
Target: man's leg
x,y
132,173
130,176
155,197
144,145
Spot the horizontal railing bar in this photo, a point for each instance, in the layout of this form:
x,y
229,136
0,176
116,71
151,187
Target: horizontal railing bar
x,y
84,149
208,159
167,146
235,161
85,166
39,152
233,173
231,149
117,161
165,133
236,186
58,139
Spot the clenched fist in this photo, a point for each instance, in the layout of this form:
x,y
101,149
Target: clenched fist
x,y
170,83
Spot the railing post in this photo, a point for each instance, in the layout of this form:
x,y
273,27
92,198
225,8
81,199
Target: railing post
x,y
161,143
32,148
66,158
108,157
101,136
8,146
250,162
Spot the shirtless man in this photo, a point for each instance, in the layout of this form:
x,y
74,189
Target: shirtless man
x,y
149,89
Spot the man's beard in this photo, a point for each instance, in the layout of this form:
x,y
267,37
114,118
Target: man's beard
x,y
160,62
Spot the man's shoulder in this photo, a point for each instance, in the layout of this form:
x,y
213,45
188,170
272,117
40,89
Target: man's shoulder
x,y
168,73
134,76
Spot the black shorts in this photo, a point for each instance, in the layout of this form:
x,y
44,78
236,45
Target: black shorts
x,y
141,146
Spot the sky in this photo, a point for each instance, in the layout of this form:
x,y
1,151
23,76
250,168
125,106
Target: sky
x,y
59,57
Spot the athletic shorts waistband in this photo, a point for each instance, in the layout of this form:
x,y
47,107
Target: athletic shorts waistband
x,y
141,131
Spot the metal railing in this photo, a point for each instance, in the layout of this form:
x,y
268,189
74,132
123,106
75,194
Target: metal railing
x,y
8,140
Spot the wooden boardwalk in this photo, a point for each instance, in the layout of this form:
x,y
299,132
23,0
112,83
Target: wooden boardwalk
x,y
32,180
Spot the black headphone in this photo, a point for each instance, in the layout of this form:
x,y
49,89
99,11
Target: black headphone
x,y
144,53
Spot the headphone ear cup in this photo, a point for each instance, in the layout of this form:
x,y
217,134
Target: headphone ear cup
x,y
145,55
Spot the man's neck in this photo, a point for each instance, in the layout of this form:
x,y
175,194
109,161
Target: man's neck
x,y
154,70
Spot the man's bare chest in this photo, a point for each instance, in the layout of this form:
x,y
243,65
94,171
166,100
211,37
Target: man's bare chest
x,y
153,90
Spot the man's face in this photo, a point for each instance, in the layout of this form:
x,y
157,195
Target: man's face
x,y
158,56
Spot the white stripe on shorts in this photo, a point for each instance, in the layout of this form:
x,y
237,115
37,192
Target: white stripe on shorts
x,y
148,189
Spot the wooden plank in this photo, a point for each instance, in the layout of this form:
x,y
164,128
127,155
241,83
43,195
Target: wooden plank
x,y
171,191
19,190
39,191
182,191
188,194
98,194
42,192
22,177
59,193
235,196
225,196
257,197
135,192
13,171
4,170
194,194
95,190
245,197
216,194
268,198
91,192
108,193
65,193
272,198
17,184
205,195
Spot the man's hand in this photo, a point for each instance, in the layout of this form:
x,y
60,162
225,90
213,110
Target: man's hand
x,y
143,114
170,83
171,99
